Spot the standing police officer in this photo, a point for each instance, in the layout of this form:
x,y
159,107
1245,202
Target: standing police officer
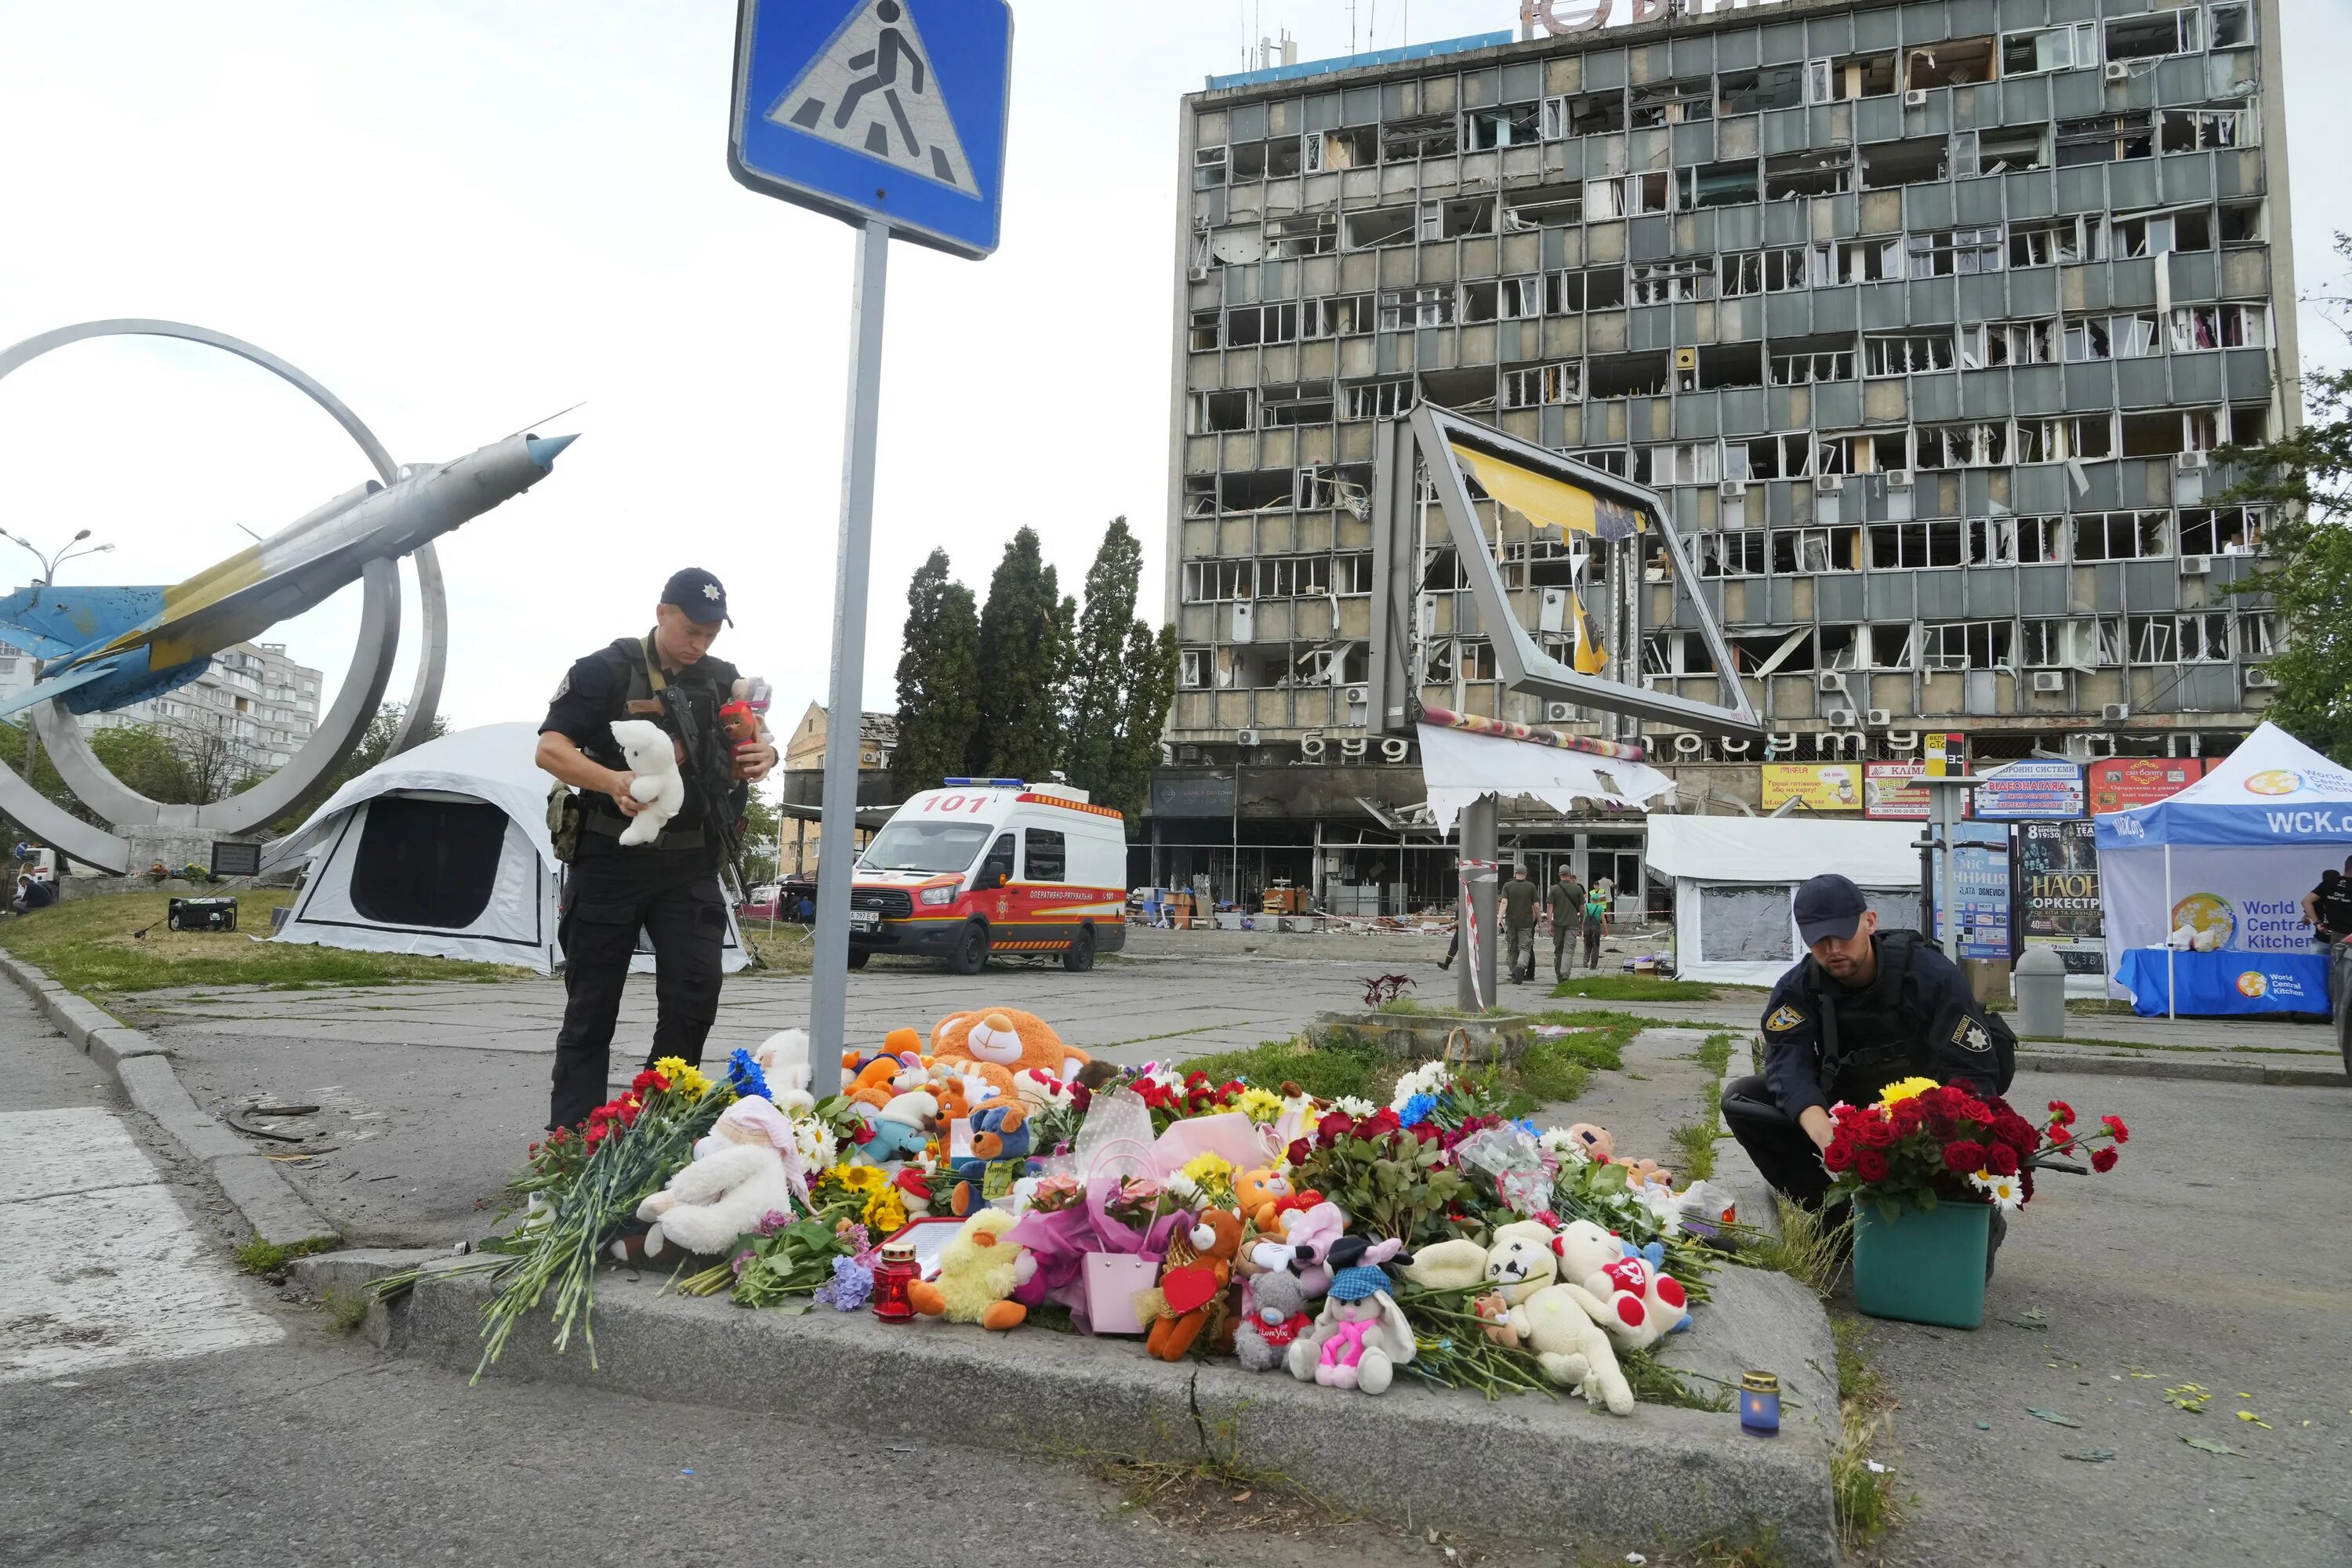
x,y
1862,1011
669,888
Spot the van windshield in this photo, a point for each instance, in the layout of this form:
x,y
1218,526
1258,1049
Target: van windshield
x,y
925,846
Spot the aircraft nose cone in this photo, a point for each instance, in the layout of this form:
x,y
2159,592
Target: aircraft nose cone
x,y
545,449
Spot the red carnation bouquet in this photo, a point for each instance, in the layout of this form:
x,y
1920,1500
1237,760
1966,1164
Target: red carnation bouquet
x,y
1923,1143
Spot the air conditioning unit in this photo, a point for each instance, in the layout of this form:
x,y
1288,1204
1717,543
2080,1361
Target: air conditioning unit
x,y
1840,718
2115,712
1916,99
1878,718
1732,489
2196,566
2191,462
1827,484
2049,680
1359,695
2260,679
1561,713
1196,275
1829,681
1246,737
1900,478
2118,70
1686,359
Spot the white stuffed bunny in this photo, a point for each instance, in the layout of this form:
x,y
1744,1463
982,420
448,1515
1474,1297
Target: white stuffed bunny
x,y
659,788
783,1058
753,1171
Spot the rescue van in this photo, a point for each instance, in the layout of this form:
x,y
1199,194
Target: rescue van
x,y
983,866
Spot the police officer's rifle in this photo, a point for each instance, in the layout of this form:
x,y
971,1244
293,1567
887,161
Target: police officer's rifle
x,y
710,767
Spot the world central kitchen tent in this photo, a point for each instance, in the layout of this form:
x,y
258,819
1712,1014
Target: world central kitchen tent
x,y
442,850
1736,877
2230,856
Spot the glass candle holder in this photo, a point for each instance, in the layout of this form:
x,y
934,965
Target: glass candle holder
x,y
894,1278
1760,1404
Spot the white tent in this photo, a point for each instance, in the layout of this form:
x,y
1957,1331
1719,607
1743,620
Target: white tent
x,y
2230,856
1734,878
442,850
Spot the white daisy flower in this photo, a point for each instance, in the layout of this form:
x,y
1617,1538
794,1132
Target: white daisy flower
x,y
2006,1192
1354,1107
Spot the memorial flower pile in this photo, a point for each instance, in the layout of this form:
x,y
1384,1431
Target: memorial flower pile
x,y
1921,1143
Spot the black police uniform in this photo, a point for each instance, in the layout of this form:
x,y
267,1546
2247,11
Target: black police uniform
x,y
1824,1043
669,888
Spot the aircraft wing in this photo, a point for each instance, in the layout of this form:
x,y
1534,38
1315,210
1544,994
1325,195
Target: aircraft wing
x,y
54,623
42,690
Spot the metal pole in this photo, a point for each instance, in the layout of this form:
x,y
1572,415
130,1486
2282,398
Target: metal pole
x,y
1947,829
829,973
1475,992
2172,1001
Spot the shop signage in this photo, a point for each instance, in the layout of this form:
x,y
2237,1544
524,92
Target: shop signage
x,y
1818,786
2058,893
2030,792
2121,782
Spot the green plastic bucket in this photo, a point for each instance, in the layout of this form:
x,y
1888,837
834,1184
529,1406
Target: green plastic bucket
x,y
1921,1267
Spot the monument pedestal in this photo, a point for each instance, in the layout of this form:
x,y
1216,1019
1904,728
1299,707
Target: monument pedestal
x,y
178,847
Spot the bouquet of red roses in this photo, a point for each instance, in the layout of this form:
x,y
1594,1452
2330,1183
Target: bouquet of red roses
x,y
1922,1143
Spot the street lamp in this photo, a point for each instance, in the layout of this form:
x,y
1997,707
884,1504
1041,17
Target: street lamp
x,y
49,565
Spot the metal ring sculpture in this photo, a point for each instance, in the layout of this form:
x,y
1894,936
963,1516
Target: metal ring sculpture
x,y
338,733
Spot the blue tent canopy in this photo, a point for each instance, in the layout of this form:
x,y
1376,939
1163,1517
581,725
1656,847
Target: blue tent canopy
x,y
2272,790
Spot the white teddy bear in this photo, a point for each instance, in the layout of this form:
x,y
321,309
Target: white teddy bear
x,y
1550,1318
1633,1301
659,788
751,1170
783,1058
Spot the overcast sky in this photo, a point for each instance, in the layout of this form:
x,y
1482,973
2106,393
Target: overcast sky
x,y
465,216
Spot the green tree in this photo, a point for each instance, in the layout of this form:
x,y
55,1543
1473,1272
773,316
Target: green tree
x,y
2305,476
939,680
1024,634
376,745
1149,663
1097,686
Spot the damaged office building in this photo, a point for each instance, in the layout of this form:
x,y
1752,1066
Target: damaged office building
x,y
1921,320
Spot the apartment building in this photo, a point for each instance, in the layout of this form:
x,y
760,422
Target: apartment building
x,y
1923,320
247,714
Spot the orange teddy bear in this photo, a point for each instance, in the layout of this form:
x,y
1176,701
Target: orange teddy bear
x,y
1193,1280
1006,1037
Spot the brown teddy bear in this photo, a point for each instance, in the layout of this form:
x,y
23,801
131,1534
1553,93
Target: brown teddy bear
x,y
1008,1038
1193,1283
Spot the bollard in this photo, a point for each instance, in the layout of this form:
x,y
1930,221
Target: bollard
x,y
2039,979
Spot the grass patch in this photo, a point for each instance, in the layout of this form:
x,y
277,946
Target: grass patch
x,y
345,1313
1654,1382
1346,1064
1637,988
91,944
788,952
1695,1141
1865,1498
1805,1250
265,1257
1557,1070
1398,1004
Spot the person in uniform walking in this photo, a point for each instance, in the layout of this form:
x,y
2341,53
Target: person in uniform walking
x,y
670,888
1520,923
1565,904
1863,1009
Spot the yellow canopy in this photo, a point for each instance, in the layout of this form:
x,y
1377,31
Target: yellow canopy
x,y
1548,502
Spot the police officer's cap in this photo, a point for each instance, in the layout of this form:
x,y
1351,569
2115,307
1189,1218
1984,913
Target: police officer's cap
x,y
1828,905
702,596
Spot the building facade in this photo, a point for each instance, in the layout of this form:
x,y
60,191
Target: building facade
x,y
1923,320
803,803
247,714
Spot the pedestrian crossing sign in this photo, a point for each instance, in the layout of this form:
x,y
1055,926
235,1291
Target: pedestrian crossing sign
x,y
878,109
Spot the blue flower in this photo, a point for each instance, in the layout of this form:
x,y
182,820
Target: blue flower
x,y
852,1283
745,1075
1526,1125
1417,1109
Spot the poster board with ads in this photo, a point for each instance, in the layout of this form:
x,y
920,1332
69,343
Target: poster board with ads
x,y
2119,784
2030,792
1817,786
1976,897
2057,872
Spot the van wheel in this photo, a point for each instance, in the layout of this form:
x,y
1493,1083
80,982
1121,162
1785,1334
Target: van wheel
x,y
1079,956
857,957
971,953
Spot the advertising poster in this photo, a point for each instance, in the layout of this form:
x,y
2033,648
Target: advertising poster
x,y
1819,787
2120,783
2057,872
1945,753
2030,792
1889,793
1978,898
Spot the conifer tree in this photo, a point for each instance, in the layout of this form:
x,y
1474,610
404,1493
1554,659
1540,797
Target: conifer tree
x,y
1098,668
1149,666
1024,638
939,680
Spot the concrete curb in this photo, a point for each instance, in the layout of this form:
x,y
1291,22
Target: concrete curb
x,y
2159,1067
1523,1467
255,1187
1733,1168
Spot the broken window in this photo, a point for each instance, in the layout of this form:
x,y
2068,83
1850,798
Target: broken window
x,y
2242,223
2162,433
1379,399
2059,243
1740,273
1537,385
1314,234
1975,444
1671,103
1596,288
1355,147
1219,582
1479,300
1852,75
2195,327
1893,647
2072,48
1339,316
1268,489
1200,495
1532,208
2015,540
1513,125
1886,163
2147,37
1627,376
1804,369
2080,643
1988,344
1307,403
1247,162
1192,669
2181,639
1384,226
1428,136
2110,337
1453,220
1718,185
2232,24
1681,463
1953,63
1905,354
1207,328
2122,536
1215,413
1816,172
2155,234
2010,149
1596,113
1869,260
1910,546
1666,282
1350,487
1247,326
1406,308
1608,459
1946,252
1293,576
2221,531
1751,92
1352,575
1539,562
1475,657
1208,168
1738,553
2106,139
1804,551
1521,298
2257,634
1785,271
1965,645
2192,130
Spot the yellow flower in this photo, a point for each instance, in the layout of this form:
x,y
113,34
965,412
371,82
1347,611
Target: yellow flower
x,y
886,1213
1906,1088
1207,1167
686,1081
1260,1105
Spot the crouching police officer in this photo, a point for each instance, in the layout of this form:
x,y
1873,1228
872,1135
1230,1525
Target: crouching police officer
x,y
669,888
1862,1011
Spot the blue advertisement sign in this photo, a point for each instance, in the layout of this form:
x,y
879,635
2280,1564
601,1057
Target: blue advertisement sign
x,y
1976,901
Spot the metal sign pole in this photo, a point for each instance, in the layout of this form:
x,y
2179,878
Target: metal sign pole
x,y
829,971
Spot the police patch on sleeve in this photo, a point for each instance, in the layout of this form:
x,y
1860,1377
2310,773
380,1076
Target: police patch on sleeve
x,y
562,688
1971,1035
1784,1019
